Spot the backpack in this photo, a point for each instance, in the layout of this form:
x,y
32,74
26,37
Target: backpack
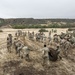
x,y
53,54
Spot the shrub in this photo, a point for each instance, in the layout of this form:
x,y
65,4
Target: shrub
x,y
55,31
68,25
71,29
43,30
1,30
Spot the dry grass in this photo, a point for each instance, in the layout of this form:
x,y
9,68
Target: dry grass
x,y
11,64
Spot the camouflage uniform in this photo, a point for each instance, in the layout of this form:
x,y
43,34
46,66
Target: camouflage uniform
x,y
45,55
37,37
62,43
55,39
9,42
19,48
67,47
15,44
49,39
25,52
74,33
73,42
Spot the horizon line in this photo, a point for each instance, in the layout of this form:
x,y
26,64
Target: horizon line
x,y
34,18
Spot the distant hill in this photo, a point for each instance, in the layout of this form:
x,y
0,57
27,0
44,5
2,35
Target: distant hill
x,y
31,21
2,22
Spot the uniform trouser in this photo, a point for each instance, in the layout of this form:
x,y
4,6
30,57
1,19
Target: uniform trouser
x,y
27,56
46,60
9,48
18,51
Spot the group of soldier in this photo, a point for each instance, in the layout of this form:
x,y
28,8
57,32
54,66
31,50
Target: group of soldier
x,y
63,42
16,44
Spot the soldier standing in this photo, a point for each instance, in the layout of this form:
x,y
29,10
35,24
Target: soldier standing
x,y
15,44
9,42
45,55
49,37
19,48
55,38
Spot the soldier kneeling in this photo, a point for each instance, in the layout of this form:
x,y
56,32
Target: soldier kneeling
x,y
25,52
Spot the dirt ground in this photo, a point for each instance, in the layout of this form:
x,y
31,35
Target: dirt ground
x,y
11,64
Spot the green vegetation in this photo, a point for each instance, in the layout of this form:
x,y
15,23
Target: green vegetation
x,y
55,31
21,23
1,31
2,22
68,25
71,29
26,26
43,30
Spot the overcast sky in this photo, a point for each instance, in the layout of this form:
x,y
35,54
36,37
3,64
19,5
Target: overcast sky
x,y
37,8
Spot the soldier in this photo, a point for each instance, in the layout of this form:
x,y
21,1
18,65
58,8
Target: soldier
x,y
52,30
37,37
62,35
19,48
67,32
19,33
44,38
74,33
16,34
49,39
41,37
50,33
24,35
58,51
72,40
25,52
10,36
33,33
62,43
30,36
55,38
15,44
45,55
9,42
67,47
